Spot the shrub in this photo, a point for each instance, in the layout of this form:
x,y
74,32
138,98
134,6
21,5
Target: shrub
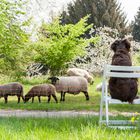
x,y
13,38
58,45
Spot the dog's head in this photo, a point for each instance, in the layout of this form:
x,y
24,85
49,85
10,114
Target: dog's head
x,y
121,45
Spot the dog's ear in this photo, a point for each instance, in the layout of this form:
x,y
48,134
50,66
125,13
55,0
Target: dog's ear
x,y
127,44
114,45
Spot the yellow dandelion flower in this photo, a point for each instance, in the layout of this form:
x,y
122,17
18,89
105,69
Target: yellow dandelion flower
x,y
133,119
136,113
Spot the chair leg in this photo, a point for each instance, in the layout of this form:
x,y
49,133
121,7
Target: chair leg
x,y
106,112
106,105
101,111
102,103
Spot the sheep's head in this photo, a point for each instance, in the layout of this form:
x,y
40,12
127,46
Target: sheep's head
x,y
53,80
90,80
27,98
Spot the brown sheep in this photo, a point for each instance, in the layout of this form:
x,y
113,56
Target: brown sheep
x,y
11,89
41,90
124,89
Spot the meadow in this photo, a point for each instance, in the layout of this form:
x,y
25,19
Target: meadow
x,y
72,102
75,128
64,128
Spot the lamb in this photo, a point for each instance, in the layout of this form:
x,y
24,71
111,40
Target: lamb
x,y
71,84
11,89
99,87
80,72
41,90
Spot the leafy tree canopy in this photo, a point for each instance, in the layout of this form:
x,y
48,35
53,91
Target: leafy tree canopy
x,y
58,45
13,37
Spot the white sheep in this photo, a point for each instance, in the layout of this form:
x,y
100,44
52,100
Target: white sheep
x,y
80,72
99,87
70,84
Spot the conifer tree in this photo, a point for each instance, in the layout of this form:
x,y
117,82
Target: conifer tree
x,y
102,13
136,27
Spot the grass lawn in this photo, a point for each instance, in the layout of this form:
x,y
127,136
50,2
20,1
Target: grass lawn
x,y
64,128
72,102
75,128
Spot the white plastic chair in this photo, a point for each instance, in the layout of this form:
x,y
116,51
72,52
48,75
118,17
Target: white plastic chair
x,y
106,99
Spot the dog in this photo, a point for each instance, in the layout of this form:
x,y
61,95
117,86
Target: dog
x,y
124,89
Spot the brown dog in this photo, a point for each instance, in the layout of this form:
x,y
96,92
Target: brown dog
x,y
124,89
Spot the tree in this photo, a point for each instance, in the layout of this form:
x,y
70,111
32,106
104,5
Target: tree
x,y
136,27
58,45
13,37
103,13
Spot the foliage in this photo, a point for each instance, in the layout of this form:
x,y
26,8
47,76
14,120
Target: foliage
x,y
136,27
58,44
103,13
13,37
101,53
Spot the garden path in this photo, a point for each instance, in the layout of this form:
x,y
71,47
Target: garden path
x,y
34,113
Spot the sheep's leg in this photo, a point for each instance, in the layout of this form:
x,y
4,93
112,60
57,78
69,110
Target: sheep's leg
x,y
92,83
49,98
55,98
23,98
86,95
32,99
6,98
64,96
39,99
61,99
18,99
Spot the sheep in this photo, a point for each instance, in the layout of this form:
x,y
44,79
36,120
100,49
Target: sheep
x,y
99,87
41,90
11,89
80,72
70,84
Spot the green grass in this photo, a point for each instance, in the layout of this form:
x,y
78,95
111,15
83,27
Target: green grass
x,y
72,102
75,128
64,128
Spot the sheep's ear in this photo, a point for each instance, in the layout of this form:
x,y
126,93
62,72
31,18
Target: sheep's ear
x,y
127,44
57,78
114,45
50,78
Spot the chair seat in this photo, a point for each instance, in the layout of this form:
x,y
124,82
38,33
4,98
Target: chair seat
x,y
116,101
116,71
123,127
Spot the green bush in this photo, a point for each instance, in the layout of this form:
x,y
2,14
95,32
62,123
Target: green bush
x,y
13,38
59,44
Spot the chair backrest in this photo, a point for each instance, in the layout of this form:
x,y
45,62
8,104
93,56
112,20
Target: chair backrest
x,y
121,71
